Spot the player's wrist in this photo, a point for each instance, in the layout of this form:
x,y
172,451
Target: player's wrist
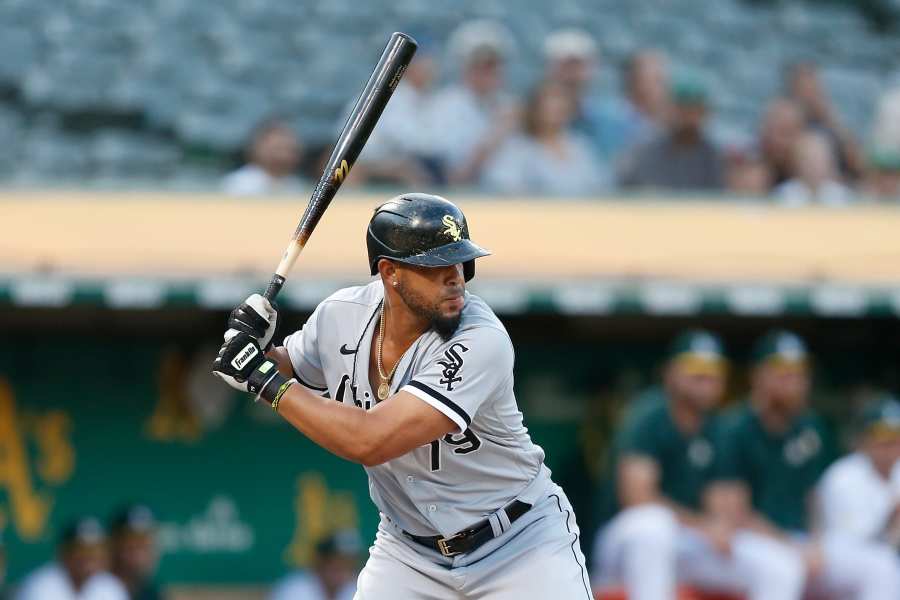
x,y
268,383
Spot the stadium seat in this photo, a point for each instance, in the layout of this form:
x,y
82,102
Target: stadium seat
x,y
18,53
195,67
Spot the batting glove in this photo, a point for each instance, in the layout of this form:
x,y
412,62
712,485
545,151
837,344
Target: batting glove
x,y
242,364
256,317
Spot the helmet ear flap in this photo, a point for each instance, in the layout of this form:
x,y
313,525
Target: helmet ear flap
x,y
469,269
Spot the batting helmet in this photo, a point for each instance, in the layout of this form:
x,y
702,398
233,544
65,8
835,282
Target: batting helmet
x,y
423,230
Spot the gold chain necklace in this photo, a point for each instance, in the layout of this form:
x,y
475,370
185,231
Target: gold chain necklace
x,y
384,387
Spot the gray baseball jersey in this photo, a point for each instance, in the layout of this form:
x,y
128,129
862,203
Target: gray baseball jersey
x,y
449,484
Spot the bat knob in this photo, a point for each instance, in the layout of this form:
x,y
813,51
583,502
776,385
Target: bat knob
x,y
275,286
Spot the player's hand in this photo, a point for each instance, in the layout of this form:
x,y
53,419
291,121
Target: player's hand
x,y
242,365
256,317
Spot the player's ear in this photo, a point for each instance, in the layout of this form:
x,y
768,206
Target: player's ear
x,y
388,271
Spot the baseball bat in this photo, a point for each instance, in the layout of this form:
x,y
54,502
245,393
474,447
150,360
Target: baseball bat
x,y
365,114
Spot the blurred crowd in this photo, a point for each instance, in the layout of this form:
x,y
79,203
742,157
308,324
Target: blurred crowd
x,y
570,137
119,562
94,562
755,499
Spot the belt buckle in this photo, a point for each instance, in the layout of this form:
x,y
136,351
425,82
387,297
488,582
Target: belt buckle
x,y
442,545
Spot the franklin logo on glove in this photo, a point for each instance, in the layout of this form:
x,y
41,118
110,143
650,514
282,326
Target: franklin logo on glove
x,y
246,354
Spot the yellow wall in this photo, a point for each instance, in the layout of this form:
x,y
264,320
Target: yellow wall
x,y
100,233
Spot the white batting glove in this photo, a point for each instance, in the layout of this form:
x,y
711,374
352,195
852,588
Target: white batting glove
x,y
256,317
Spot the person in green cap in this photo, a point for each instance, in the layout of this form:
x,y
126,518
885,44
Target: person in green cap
x,y
882,179
773,450
668,529
134,551
859,495
682,158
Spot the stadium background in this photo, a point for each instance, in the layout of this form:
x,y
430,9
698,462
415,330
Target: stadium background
x,y
116,273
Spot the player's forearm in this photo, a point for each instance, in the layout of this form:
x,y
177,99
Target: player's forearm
x,y
335,426
280,355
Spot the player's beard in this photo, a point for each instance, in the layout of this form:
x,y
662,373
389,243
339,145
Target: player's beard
x,y
445,326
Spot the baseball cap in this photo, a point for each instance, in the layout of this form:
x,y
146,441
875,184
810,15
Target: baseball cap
x,y
480,39
880,418
699,351
84,531
689,89
134,518
780,346
569,43
885,160
343,542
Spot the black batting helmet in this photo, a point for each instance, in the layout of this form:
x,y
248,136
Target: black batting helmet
x,y
424,230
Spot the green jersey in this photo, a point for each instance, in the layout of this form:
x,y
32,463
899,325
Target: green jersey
x,y
685,460
780,469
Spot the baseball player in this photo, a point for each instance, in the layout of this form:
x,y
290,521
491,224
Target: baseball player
x,y
333,573
774,450
859,495
412,377
669,528
79,573
134,551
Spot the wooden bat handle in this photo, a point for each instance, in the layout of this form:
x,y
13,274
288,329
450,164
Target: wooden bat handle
x,y
284,267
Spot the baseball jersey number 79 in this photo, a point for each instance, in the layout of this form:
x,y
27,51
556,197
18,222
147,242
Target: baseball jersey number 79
x,y
464,443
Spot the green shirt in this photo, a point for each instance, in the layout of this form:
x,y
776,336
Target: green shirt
x,y
685,461
780,470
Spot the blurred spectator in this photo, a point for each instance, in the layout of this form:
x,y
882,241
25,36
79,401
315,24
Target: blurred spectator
x,y
773,451
682,158
475,116
80,571
815,177
272,161
886,125
647,87
781,125
333,575
669,529
401,147
859,496
747,174
806,90
547,157
571,60
882,181
134,553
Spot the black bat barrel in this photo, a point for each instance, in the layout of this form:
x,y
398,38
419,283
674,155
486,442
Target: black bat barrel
x,y
365,114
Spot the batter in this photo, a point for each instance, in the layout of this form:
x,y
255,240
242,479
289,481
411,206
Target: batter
x,y
412,377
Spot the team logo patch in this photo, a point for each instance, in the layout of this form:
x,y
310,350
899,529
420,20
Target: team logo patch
x,y
452,228
452,365
802,448
700,453
244,356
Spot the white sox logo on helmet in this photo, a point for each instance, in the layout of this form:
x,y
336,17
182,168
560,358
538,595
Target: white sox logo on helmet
x,y
452,228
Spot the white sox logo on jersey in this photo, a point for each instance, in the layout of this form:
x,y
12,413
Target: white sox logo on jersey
x,y
452,365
